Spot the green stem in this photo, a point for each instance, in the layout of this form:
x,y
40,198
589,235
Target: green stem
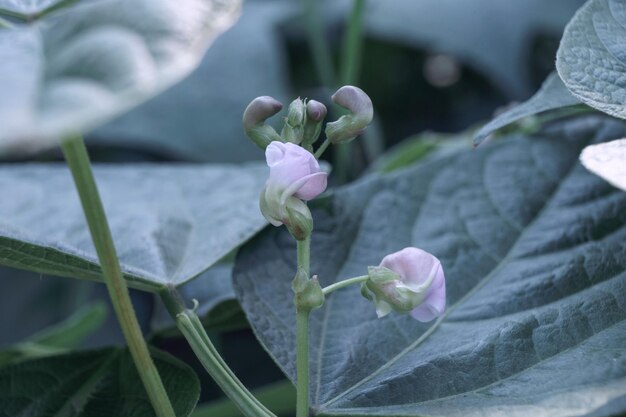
x,y
192,329
352,45
322,148
78,161
302,337
344,283
319,47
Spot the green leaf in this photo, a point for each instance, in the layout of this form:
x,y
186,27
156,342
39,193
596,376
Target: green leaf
x,y
553,95
170,223
591,58
60,337
533,250
200,118
92,384
72,70
607,160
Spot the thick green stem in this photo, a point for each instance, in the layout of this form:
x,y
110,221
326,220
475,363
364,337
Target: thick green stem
x,y
78,161
344,283
302,337
192,329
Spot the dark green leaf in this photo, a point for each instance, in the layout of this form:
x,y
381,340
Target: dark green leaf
x,y
101,383
169,223
592,60
72,70
533,250
552,95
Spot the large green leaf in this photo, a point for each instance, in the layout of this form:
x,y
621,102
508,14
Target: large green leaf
x,y
169,222
553,95
533,250
591,59
101,383
72,69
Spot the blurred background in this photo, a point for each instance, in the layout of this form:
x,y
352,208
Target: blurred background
x,y
429,66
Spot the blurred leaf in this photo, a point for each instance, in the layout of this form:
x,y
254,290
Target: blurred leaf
x,y
498,48
533,250
592,60
74,69
414,149
60,337
552,95
99,383
200,119
607,160
170,223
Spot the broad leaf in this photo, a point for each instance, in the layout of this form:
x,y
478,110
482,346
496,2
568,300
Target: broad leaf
x,y
200,118
533,250
607,160
591,59
71,70
101,383
553,95
169,222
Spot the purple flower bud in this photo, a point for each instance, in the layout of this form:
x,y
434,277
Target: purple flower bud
x,y
315,111
408,281
315,115
351,125
295,175
259,110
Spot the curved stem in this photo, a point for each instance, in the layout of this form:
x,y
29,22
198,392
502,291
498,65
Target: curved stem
x,y
78,161
302,337
344,283
322,148
192,329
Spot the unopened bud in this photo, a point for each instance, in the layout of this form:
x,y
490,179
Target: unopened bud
x,y
315,114
310,297
351,125
299,221
259,110
294,123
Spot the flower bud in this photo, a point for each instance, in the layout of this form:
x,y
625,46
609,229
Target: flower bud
x,y
315,114
408,281
295,175
259,110
294,123
310,295
351,125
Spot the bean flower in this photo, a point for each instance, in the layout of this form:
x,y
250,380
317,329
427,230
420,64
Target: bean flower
x,y
295,176
409,281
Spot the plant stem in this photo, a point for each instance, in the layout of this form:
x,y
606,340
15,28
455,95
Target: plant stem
x,y
302,337
319,47
322,148
192,329
78,161
344,283
352,45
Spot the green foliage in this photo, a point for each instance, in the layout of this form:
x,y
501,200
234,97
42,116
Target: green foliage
x,y
591,59
69,66
553,95
533,250
170,223
58,338
101,383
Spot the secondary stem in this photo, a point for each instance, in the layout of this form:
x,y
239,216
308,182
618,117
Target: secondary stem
x,y
302,338
322,148
78,161
192,329
344,283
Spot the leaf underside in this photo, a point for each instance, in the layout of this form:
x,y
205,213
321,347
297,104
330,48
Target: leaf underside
x,y
100,383
533,248
169,223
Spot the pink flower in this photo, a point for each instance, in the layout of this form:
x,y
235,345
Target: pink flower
x,y
295,175
409,281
